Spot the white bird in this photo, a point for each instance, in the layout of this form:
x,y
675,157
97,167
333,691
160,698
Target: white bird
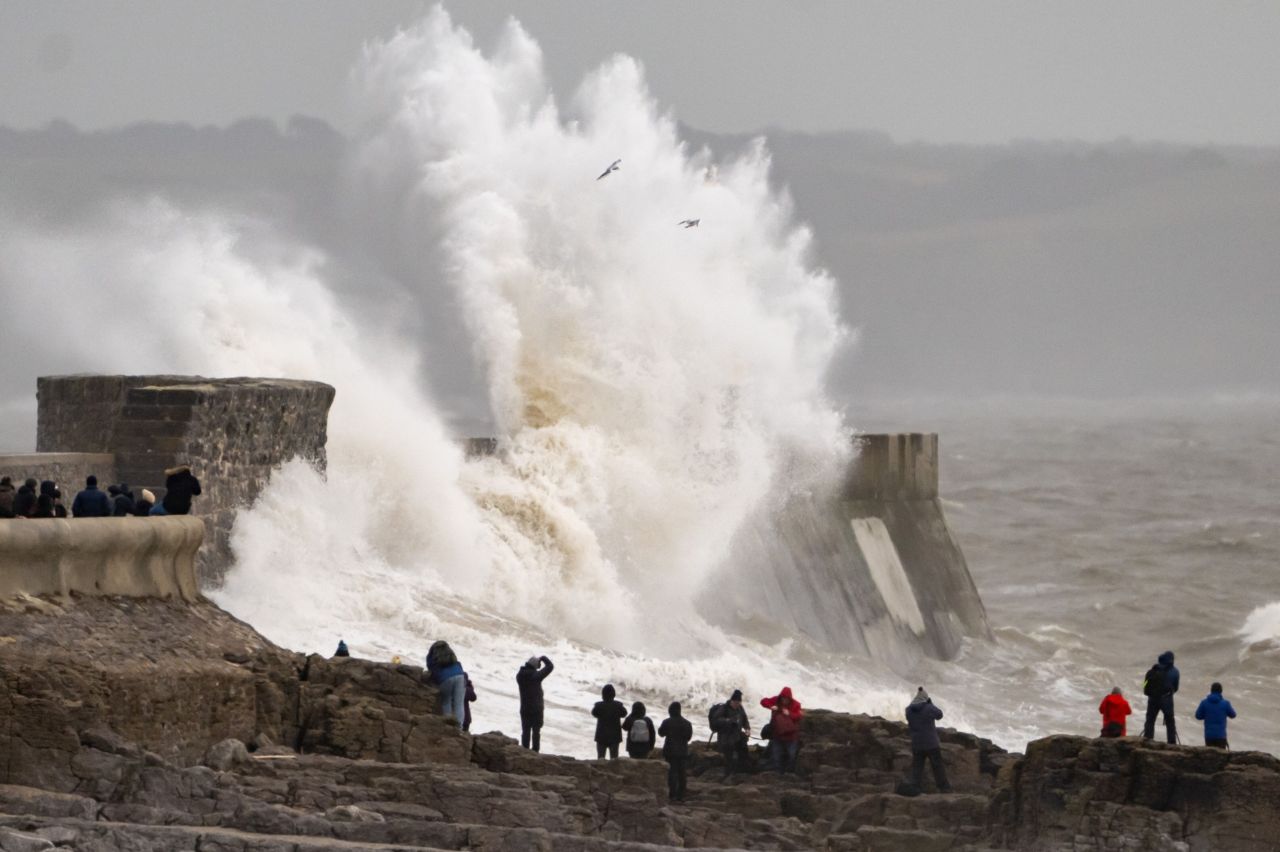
x,y
689,223
613,167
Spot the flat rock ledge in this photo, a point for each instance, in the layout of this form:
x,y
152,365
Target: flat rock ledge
x,y
148,725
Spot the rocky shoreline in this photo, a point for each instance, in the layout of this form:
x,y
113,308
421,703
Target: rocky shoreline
x,y
151,725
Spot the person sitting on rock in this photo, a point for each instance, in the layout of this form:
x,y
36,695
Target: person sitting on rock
x,y
180,485
529,679
732,728
444,670
609,713
922,718
641,737
676,731
91,502
1159,686
784,729
1114,708
1214,711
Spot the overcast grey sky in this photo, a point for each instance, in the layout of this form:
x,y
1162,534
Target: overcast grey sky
x,y
974,71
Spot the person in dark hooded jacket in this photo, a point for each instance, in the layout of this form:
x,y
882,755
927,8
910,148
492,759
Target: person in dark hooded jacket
x,y
609,713
529,679
641,737
784,729
1214,711
24,500
676,732
1159,686
122,505
922,718
6,497
91,502
180,485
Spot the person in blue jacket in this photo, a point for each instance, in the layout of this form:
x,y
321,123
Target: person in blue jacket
x,y
444,670
1214,711
91,502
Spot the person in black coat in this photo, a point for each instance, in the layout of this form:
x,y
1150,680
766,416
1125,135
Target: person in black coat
x,y
676,731
122,505
609,714
529,679
180,486
24,501
91,502
640,734
922,718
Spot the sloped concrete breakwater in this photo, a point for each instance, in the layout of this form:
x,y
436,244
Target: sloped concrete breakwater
x,y
160,725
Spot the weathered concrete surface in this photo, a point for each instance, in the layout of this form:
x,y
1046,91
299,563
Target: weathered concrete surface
x,y
232,432
130,557
873,570
67,470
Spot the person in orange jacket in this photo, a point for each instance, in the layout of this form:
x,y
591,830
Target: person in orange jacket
x,y
784,729
1114,708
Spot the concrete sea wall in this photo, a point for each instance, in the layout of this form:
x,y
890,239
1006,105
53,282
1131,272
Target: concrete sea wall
x,y
128,557
232,432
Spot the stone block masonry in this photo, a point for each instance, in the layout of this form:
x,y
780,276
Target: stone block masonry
x,y
67,470
232,432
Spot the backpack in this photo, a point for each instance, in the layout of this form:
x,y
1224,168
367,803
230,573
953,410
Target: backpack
x,y
441,655
717,716
639,733
1153,684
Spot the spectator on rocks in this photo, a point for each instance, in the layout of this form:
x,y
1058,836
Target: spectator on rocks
x,y
641,737
91,502
676,732
180,485
468,698
1159,686
1114,709
342,651
732,728
609,713
529,679
922,718
143,505
24,499
784,729
6,497
1214,711
122,505
444,670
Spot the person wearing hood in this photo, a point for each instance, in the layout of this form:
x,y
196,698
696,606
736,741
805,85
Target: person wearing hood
x,y
444,670
180,485
143,505
922,718
1114,709
529,679
609,713
24,499
641,737
6,497
122,505
1214,711
91,502
1159,686
676,733
784,729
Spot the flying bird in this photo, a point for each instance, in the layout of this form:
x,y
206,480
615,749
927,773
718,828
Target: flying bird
x,y
689,223
613,167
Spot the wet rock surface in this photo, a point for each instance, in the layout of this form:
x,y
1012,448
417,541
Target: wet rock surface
x,y
146,725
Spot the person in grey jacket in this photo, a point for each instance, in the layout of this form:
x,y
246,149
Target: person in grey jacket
x,y
922,718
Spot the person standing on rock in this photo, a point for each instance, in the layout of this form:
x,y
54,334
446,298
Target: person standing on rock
x,y
676,732
1114,709
732,728
922,719
444,670
180,485
1214,711
609,713
784,729
1159,686
641,737
91,502
530,677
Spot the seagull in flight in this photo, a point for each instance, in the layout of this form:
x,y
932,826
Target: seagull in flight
x,y
613,167
689,223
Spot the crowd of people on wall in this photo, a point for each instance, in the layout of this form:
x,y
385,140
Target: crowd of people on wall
x,y
35,499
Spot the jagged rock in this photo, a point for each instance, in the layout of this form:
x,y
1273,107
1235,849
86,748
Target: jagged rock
x,y
352,813
18,841
226,755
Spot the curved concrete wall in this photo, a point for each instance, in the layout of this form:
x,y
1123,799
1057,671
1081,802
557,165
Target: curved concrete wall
x,y
132,557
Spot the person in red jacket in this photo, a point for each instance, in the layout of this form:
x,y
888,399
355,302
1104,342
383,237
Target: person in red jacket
x,y
1114,708
784,729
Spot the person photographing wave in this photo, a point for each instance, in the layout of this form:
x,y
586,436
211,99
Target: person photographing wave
x,y
1159,686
